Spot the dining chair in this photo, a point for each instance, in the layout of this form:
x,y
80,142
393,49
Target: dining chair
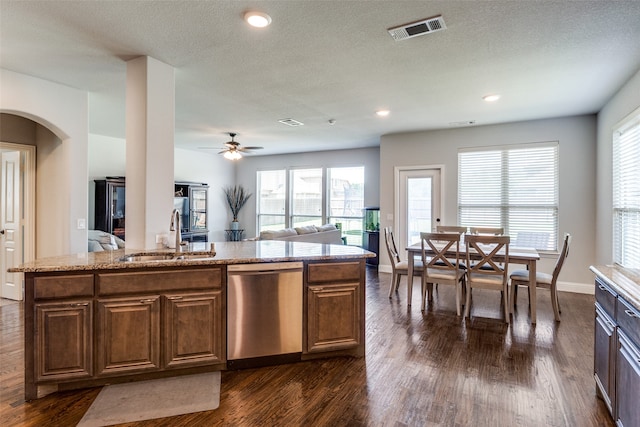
x,y
398,267
489,270
496,231
543,280
451,229
441,264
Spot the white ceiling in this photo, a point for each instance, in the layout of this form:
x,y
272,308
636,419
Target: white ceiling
x,y
331,59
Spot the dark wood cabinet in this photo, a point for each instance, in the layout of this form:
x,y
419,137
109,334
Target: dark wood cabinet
x,y
604,357
191,199
63,340
128,335
627,382
371,242
334,306
110,206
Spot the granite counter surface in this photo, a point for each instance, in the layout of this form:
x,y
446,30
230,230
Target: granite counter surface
x,y
225,253
622,280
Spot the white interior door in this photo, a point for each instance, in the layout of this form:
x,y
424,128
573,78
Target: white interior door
x,y
10,235
418,205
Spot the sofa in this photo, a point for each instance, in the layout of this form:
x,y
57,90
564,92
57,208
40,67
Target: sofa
x,y
327,233
102,241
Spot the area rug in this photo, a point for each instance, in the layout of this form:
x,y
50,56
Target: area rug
x,y
145,400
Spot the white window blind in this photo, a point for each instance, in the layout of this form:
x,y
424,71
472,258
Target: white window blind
x,y
626,192
514,187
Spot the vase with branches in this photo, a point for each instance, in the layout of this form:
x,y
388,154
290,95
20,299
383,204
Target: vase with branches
x,y
237,197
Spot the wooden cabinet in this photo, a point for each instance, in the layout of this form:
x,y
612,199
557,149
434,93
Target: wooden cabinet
x,y
110,206
604,356
335,306
118,325
128,335
371,242
192,201
627,382
64,339
617,354
193,329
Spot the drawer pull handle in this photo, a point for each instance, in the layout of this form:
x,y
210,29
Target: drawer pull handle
x,y
142,301
631,314
602,287
174,298
79,304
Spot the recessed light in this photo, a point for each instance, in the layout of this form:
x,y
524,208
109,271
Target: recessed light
x,y
257,19
383,113
491,98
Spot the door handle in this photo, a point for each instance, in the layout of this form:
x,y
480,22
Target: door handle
x,y
2,231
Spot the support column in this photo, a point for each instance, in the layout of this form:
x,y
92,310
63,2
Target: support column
x,y
150,126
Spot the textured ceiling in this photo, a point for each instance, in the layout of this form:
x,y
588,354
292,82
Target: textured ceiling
x,y
322,60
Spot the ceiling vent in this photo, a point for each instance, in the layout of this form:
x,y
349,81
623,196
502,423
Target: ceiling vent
x,y
419,28
291,122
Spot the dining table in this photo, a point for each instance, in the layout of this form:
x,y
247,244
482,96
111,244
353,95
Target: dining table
x,y
517,255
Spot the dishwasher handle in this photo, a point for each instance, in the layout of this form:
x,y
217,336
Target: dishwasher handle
x,y
264,267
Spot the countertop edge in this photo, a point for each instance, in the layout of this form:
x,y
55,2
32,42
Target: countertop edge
x,y
624,281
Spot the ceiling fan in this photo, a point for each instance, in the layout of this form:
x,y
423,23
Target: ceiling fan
x,y
232,149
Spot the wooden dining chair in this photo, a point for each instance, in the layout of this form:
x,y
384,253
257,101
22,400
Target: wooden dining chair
x,y
398,267
490,256
543,280
451,229
441,261
495,231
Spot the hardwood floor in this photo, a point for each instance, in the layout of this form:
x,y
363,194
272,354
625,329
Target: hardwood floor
x,y
420,369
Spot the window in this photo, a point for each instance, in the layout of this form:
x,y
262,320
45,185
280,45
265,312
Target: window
x,y
346,201
312,196
626,192
514,187
306,197
272,199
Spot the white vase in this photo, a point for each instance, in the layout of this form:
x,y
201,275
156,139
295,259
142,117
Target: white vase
x,y
235,225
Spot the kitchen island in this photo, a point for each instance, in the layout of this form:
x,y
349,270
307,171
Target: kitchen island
x,y
105,317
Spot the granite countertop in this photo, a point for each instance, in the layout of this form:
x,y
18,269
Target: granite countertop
x,y
225,253
622,280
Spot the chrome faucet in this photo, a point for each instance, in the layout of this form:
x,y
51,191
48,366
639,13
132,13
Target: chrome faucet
x,y
175,226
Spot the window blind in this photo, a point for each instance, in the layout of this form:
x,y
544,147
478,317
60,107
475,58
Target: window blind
x,y
514,187
626,192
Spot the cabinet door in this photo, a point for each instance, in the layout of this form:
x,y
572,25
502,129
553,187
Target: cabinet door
x,y
333,317
128,335
627,383
63,340
193,329
604,357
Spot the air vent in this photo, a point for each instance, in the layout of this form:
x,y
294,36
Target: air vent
x,y
420,28
291,122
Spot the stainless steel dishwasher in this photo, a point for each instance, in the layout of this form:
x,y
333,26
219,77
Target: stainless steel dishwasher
x,y
264,314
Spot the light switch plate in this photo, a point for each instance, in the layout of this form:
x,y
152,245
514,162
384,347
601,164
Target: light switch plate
x,y
81,224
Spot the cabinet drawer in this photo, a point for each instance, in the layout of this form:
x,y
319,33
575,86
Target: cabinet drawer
x,y
606,297
159,281
63,286
334,272
628,320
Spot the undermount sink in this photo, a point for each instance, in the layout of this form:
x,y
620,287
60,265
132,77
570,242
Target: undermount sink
x,y
207,255
147,257
167,257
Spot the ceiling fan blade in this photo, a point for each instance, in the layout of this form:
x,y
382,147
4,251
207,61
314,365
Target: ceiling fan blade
x,y
251,148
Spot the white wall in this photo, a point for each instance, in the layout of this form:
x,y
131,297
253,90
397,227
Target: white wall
x,y
107,157
619,106
576,136
63,111
248,166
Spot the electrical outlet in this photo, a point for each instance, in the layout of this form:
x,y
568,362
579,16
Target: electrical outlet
x,y
81,224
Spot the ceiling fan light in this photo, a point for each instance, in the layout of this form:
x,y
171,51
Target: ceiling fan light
x,y
257,19
232,155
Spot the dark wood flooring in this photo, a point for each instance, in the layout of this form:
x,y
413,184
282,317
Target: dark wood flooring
x,y
420,369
